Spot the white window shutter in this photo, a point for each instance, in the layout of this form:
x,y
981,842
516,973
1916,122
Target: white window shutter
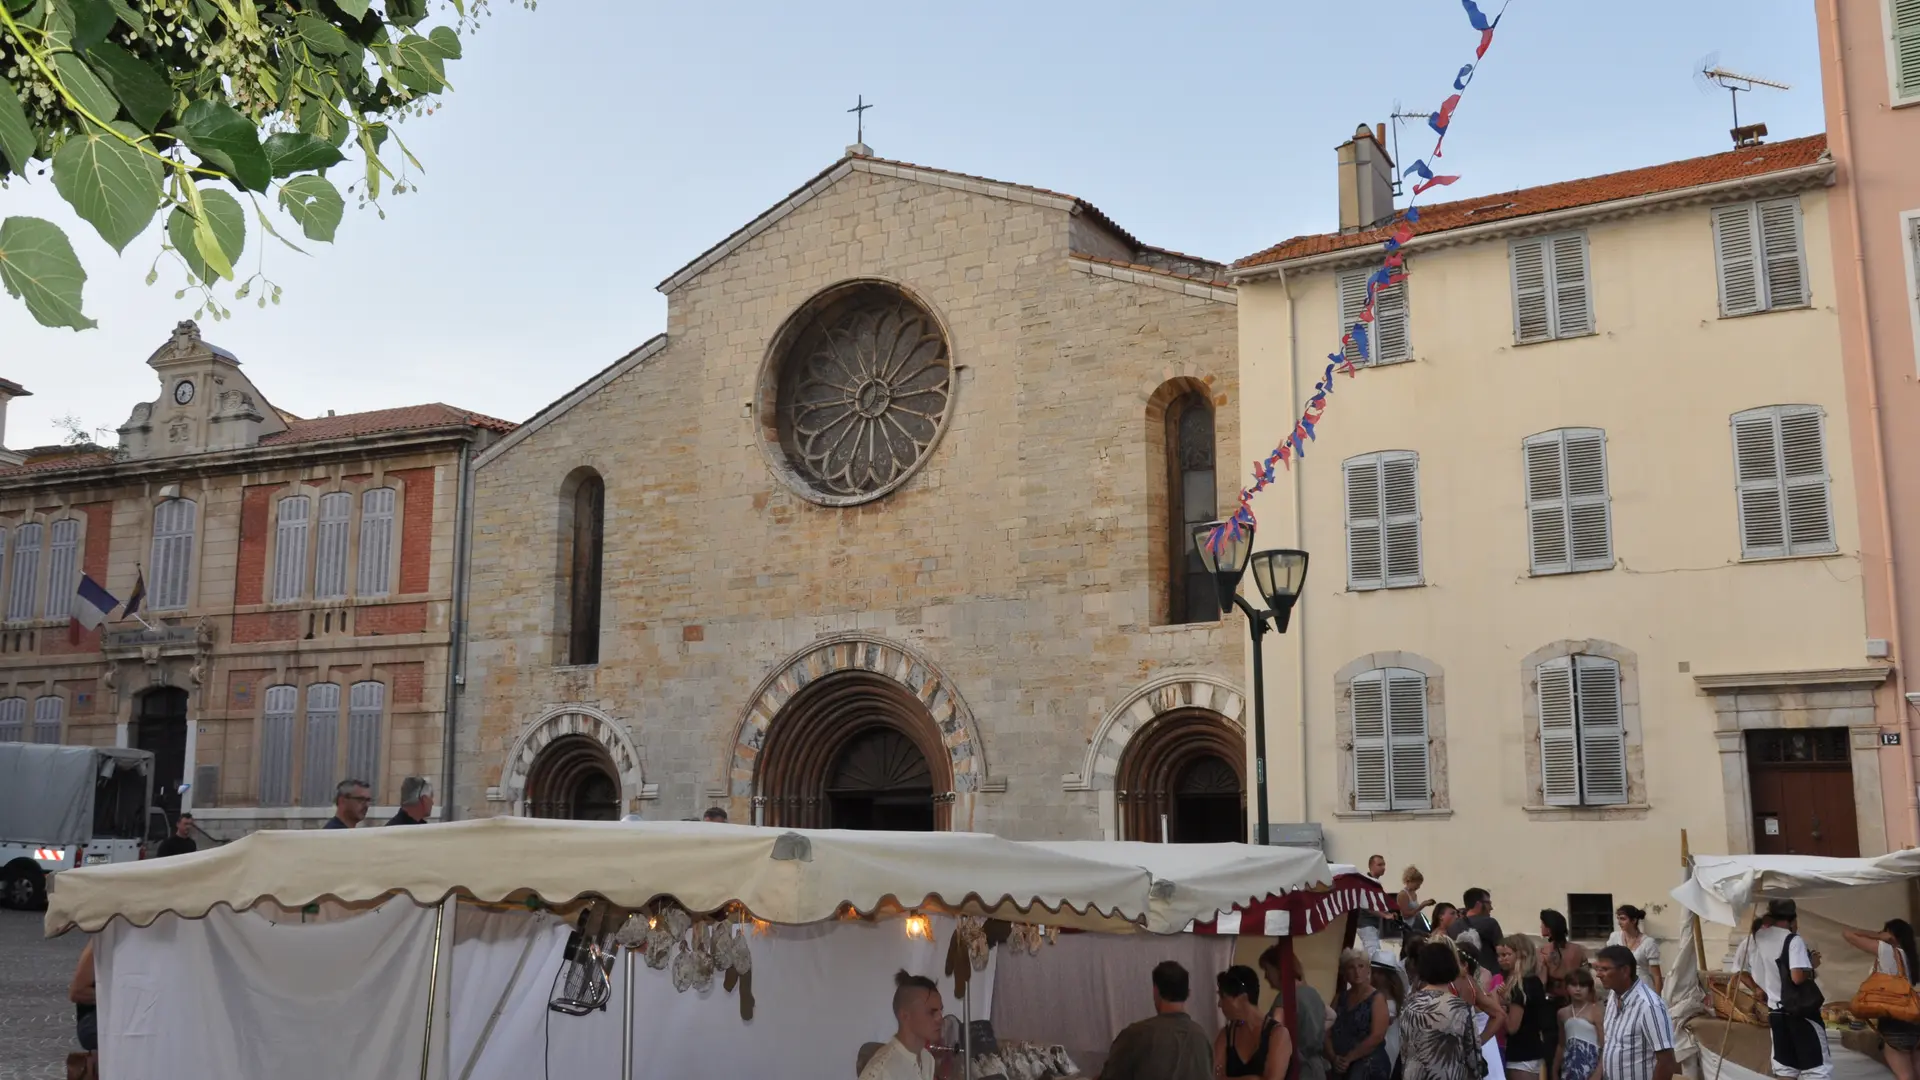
x,y
1906,48
322,745
26,571
1804,459
276,746
1366,568
1400,501
48,711
1392,340
1756,462
1559,735
1785,255
1532,307
1603,748
376,541
63,570
1572,293
170,568
290,549
13,719
1353,300
1736,251
1589,507
1412,787
365,704
1370,784
1547,540
330,546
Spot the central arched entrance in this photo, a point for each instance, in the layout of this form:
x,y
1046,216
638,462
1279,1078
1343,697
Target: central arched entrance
x,y
1181,780
854,750
574,778
160,725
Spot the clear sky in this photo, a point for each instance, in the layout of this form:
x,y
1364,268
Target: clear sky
x,y
593,147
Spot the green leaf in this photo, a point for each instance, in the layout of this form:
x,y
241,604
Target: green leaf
x,y
86,87
406,12
92,20
446,41
38,265
140,88
322,36
221,230
227,141
315,203
355,9
113,186
418,81
289,152
127,15
17,140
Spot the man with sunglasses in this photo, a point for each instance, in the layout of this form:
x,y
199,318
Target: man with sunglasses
x,y
351,798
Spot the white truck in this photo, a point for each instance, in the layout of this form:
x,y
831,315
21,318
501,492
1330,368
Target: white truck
x,y
68,806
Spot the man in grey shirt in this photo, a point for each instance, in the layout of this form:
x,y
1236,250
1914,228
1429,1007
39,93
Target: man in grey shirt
x,y
1170,1045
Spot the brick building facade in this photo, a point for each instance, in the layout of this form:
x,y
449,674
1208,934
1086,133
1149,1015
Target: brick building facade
x,y
887,530
299,581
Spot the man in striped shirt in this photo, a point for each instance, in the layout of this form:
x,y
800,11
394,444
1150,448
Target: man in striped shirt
x,y
1639,1042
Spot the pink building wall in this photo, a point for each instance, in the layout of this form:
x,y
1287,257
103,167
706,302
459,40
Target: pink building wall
x,y
1876,144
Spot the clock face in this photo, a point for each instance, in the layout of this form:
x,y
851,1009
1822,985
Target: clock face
x,y
183,391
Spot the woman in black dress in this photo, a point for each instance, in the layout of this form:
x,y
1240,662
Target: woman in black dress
x,y
1532,1018
1252,1042
1357,1045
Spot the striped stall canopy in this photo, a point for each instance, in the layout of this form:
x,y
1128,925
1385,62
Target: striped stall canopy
x,y
1301,911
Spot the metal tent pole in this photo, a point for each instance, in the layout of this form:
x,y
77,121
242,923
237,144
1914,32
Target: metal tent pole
x,y
433,987
626,1031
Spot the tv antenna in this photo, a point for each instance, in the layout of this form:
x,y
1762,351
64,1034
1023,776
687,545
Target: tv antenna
x,y
1397,115
1735,84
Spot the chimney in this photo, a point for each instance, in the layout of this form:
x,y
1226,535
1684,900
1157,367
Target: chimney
x,y
8,391
1366,179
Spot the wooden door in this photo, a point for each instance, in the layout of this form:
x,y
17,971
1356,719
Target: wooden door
x,y
161,728
1802,791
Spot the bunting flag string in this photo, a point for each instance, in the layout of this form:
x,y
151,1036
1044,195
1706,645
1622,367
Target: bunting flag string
x,y
1357,341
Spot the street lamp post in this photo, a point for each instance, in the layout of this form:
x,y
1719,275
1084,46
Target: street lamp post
x,y
1279,575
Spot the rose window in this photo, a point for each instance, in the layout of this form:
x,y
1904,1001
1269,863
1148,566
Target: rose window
x,y
862,393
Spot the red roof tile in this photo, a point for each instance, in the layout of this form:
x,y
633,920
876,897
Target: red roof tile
x,y
1737,164
352,425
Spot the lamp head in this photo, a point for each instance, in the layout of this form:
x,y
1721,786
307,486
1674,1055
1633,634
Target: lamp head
x,y
1224,556
1280,575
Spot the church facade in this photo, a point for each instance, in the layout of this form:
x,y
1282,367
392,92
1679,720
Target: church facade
x,y
886,531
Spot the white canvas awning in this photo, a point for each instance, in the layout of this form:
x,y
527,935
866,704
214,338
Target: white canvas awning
x,y
1198,881
1723,887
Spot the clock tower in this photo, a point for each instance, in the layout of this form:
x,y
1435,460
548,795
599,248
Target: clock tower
x,y
205,403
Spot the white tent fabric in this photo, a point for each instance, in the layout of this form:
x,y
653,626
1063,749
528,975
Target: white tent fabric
x,y
782,876
1197,881
1723,887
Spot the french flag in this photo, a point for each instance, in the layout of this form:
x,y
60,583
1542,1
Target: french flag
x,y
94,603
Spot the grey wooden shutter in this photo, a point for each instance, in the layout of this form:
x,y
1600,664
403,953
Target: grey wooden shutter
x,y
1603,750
63,578
1548,545
13,719
376,541
170,568
1736,244
1784,253
1906,48
1370,782
1572,292
24,587
1589,506
1366,568
366,702
290,549
1412,787
321,746
1352,285
48,711
276,746
1803,458
1756,461
1532,306
1392,326
1559,735
1400,502
330,546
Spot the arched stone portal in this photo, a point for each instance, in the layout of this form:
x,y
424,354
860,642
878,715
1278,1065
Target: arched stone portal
x,y
573,741
1180,780
573,778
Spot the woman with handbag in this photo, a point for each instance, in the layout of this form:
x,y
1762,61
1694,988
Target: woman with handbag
x,y
1888,997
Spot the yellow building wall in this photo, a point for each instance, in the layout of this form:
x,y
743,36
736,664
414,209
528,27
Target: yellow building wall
x,y
1662,376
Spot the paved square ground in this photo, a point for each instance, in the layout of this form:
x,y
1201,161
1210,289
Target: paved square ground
x,y
36,1020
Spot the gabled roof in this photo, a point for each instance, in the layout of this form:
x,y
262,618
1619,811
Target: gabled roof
x,y
1747,162
853,163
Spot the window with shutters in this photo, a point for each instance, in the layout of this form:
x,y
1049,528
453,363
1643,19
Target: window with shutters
x,y
48,711
1569,515
1552,288
1390,741
1780,471
1193,499
276,746
366,704
63,567
1903,50
24,587
1383,520
1761,256
320,748
1912,222
290,549
1389,337
13,719
1583,754
376,541
170,569
330,546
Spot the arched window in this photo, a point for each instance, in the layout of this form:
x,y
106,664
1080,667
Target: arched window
x,y
63,571
366,701
376,540
26,570
290,550
322,745
276,746
583,574
48,711
171,567
1191,500
330,546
